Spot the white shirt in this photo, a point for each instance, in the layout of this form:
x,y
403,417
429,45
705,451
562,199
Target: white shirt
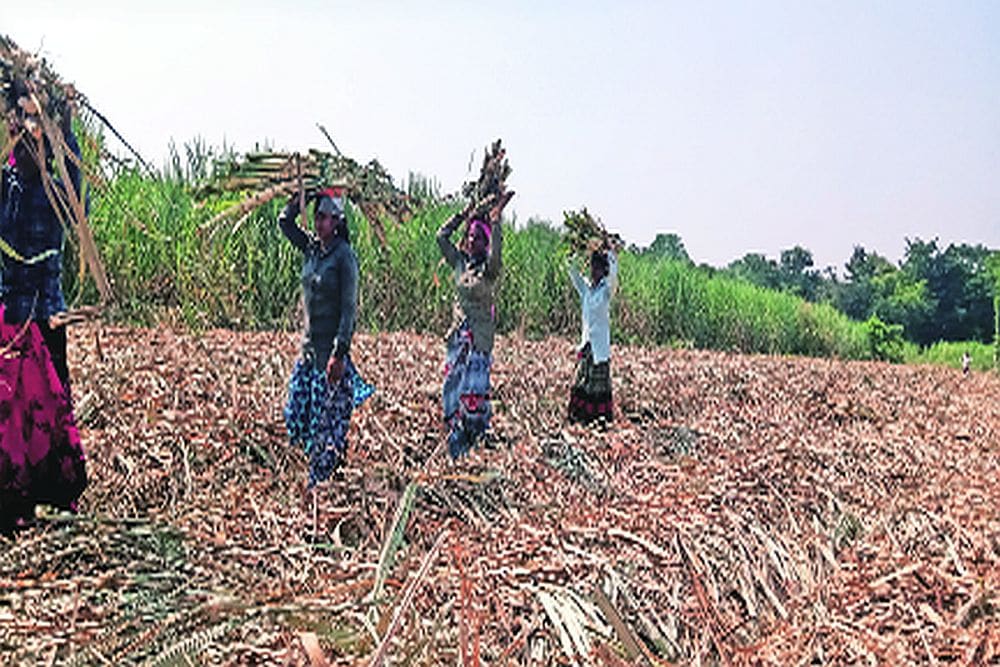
x,y
595,302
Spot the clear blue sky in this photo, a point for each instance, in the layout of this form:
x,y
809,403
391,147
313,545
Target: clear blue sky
x,y
742,127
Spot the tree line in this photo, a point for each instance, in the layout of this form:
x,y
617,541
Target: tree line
x,y
934,293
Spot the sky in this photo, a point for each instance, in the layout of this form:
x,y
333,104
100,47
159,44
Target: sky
x,y
740,126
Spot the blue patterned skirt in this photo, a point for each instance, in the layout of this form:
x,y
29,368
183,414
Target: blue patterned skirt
x,y
318,416
466,392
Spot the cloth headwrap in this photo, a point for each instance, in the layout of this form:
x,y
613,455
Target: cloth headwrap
x,y
331,201
477,223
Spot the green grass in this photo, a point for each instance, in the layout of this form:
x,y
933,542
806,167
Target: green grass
x,y
947,353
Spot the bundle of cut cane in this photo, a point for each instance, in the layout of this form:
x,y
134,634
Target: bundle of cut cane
x,y
490,189
585,233
29,83
27,76
34,103
268,175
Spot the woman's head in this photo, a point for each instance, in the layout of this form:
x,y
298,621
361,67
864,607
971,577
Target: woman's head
x,y
27,153
477,238
330,221
32,148
599,266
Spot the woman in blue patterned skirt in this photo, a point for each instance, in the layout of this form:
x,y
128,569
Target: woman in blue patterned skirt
x,y
325,387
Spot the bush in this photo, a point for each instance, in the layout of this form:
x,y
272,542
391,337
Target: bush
x,y
885,341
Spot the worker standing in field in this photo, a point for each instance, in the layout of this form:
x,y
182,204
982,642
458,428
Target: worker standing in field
x,y
469,354
590,397
325,386
41,457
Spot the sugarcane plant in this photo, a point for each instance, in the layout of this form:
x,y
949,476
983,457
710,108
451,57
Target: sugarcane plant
x,y
994,266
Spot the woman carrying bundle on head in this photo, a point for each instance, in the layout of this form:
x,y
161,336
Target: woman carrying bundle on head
x,y
41,457
469,355
325,387
590,397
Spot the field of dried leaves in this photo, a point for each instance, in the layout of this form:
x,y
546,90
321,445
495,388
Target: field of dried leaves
x,y
742,510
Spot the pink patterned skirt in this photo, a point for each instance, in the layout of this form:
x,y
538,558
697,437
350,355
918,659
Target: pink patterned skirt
x,y
41,457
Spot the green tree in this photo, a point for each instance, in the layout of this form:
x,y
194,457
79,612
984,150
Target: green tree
x,y
797,273
960,287
885,340
757,269
856,296
667,246
898,299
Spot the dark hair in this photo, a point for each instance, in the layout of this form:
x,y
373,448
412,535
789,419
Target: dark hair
x,y
26,149
600,258
14,91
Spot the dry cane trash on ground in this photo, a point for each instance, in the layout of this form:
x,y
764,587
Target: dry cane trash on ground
x,y
742,510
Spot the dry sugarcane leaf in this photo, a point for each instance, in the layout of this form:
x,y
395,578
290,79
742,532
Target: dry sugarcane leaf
x,y
625,635
310,643
88,247
394,537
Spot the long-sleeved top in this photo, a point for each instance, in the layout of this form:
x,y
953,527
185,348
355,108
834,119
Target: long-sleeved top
x,y
330,289
31,287
595,307
475,282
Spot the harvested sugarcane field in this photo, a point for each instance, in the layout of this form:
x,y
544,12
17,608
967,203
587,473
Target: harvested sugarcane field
x,y
490,335
740,510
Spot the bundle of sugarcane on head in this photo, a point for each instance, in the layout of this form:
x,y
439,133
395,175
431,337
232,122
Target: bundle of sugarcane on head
x,y
33,101
490,189
38,110
585,233
30,88
268,175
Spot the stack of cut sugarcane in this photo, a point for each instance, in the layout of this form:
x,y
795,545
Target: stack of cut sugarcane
x,y
36,103
30,88
585,233
269,175
491,188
